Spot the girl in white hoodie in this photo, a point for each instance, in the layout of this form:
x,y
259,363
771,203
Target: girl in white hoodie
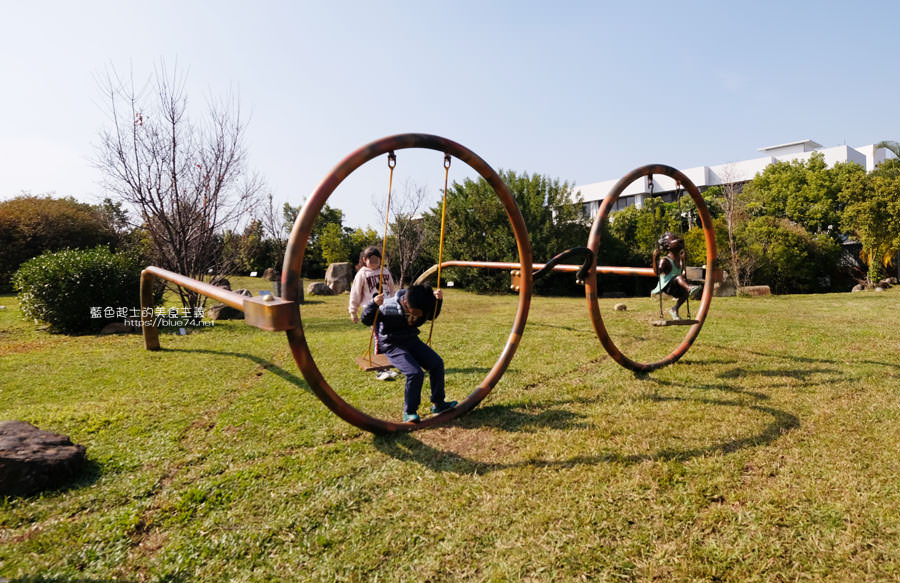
x,y
365,284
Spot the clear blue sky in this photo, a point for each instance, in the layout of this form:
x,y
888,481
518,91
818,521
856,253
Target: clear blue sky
x,y
580,91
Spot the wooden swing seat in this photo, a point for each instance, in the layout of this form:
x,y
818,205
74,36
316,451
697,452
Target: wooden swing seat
x,y
376,362
675,322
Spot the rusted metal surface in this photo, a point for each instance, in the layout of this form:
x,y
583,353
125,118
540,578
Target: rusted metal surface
x,y
271,313
267,312
602,269
515,270
590,288
296,250
283,314
151,334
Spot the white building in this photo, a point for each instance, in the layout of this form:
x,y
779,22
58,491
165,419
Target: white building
x,y
733,172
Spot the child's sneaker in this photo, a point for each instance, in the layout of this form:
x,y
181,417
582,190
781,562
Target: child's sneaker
x,y
673,313
385,375
410,418
695,292
439,408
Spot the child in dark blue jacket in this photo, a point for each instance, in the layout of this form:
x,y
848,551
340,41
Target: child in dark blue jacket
x,y
397,327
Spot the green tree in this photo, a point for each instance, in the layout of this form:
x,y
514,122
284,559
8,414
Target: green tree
x,y
335,244
805,192
30,225
872,214
788,258
254,248
360,239
314,262
891,145
478,228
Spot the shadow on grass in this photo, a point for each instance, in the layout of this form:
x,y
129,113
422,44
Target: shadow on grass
x,y
705,387
88,475
406,447
261,362
806,359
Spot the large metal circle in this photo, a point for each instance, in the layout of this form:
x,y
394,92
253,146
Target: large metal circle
x,y
594,239
293,262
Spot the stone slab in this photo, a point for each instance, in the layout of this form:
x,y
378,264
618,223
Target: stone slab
x,y
32,460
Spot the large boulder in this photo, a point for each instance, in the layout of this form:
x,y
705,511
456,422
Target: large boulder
x,y
319,289
339,277
223,312
32,460
220,281
756,290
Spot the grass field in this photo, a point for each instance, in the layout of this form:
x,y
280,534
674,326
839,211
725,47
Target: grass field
x,y
770,452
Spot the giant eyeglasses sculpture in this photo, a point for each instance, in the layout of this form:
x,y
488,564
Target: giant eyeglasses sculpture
x,y
284,314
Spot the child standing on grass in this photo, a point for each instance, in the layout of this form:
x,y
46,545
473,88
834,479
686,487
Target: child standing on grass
x,y
397,330
671,272
365,284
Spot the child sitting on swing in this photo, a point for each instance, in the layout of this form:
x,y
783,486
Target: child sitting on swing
x,y
397,330
670,268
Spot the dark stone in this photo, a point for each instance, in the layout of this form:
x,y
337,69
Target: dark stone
x,y
32,460
223,312
220,281
319,289
244,292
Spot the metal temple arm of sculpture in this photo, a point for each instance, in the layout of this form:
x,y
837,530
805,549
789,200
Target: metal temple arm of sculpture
x,y
265,312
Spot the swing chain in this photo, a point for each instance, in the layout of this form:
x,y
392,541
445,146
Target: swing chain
x,y
447,159
392,162
650,184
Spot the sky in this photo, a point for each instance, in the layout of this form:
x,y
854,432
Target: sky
x,y
579,91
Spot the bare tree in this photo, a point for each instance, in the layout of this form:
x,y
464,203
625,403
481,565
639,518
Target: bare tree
x,y
186,182
276,227
407,227
740,264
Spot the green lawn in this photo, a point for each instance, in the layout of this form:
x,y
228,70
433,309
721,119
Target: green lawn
x,y
769,453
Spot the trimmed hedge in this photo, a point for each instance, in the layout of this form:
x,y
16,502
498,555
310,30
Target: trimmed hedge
x,y
60,288
30,225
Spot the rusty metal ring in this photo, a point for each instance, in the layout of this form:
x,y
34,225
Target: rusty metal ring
x,y
296,249
594,239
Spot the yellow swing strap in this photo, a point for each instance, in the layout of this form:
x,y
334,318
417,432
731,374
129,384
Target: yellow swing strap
x,y
392,162
441,243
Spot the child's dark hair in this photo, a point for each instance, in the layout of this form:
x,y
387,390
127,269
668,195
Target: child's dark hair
x,y
422,298
369,251
670,241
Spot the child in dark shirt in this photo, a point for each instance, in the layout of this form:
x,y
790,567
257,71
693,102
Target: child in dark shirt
x,y
397,327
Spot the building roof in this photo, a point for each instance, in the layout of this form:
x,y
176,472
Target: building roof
x,y
807,144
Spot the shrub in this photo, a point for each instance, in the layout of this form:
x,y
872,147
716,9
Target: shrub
x,y
788,258
30,225
60,288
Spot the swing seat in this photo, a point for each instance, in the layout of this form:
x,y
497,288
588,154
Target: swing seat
x,y
674,322
376,362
